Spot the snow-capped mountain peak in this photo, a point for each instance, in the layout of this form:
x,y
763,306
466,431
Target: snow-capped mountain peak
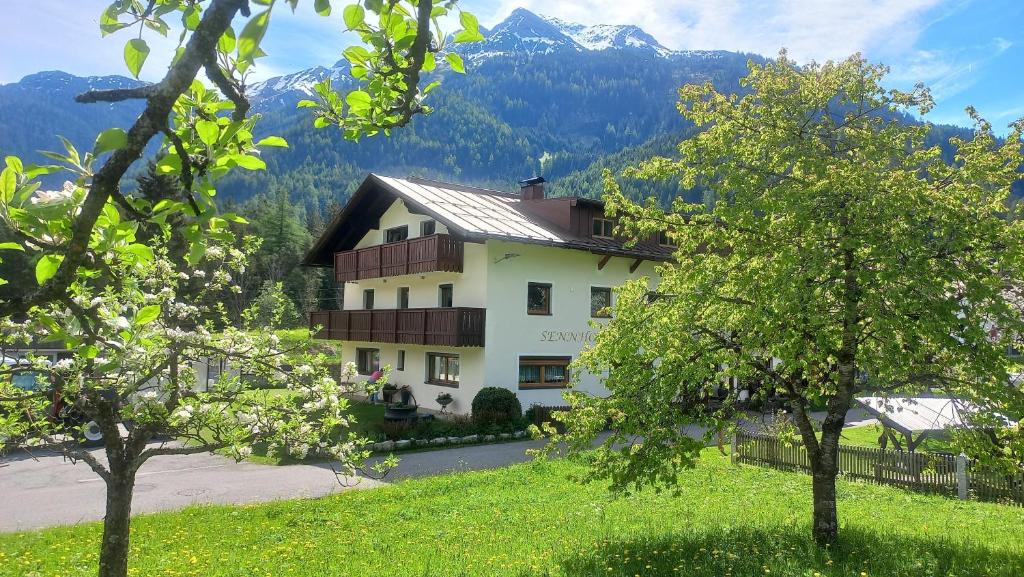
x,y
526,33
608,36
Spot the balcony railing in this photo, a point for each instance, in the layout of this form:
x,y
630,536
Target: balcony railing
x,y
448,327
437,252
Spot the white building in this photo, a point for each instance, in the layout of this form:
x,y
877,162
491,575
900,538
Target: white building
x,y
458,288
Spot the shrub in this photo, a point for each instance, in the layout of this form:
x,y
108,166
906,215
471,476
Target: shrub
x,y
496,406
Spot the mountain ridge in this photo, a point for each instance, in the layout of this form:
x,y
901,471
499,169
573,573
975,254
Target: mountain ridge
x,y
535,100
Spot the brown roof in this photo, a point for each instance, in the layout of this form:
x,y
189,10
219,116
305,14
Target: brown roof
x,y
471,213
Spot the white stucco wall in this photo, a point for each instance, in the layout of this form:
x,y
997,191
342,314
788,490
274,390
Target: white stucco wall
x,y
397,215
511,332
471,371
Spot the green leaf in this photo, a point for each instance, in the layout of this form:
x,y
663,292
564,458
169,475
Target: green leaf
x,y
208,130
110,139
169,164
356,54
34,170
47,267
354,16
464,36
431,86
8,184
273,141
108,21
227,41
90,351
14,163
249,162
142,252
469,21
322,7
359,100
456,62
11,246
306,104
252,35
135,53
146,315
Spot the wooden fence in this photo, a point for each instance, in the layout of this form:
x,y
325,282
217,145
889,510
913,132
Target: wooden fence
x,y
923,472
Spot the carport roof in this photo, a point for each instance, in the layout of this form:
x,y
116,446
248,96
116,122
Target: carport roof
x,y
916,414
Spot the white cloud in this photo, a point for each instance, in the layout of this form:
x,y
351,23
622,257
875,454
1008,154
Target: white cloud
x,y
59,35
819,30
948,71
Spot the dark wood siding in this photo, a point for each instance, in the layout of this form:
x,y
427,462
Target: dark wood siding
x,y
437,252
451,327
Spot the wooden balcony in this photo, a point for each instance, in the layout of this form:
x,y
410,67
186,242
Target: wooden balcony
x,y
437,252
447,327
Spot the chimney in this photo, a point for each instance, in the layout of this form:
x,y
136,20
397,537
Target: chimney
x,y
532,188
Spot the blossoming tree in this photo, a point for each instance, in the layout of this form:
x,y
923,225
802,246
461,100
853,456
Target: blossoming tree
x,y
126,282
838,244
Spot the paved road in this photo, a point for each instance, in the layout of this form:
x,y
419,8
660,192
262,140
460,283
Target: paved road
x,y
49,491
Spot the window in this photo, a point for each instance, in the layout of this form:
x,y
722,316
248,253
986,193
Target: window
x,y
428,227
664,240
444,296
214,369
600,301
403,297
367,361
368,299
401,361
397,234
543,372
538,298
603,227
443,369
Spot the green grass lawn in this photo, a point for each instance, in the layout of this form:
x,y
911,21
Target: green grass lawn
x,y
530,520
867,436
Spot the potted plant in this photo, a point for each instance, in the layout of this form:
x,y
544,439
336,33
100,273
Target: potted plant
x,y
405,394
444,399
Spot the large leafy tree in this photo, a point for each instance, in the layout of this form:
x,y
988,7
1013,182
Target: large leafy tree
x,y
126,282
836,244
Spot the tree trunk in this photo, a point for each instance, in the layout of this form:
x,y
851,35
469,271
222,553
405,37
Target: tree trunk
x,y
116,524
824,470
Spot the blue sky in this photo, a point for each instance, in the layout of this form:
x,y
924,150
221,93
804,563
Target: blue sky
x,y
968,51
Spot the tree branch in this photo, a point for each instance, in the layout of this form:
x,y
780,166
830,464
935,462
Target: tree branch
x,y
118,94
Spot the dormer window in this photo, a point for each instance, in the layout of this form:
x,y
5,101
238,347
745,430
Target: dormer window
x,y
603,228
397,234
664,240
428,227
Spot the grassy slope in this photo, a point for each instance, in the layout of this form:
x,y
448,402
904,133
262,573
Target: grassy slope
x,y
531,520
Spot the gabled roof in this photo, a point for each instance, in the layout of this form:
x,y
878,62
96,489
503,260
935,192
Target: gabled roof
x,y
469,213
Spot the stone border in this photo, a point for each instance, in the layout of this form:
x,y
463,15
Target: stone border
x,y
437,442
